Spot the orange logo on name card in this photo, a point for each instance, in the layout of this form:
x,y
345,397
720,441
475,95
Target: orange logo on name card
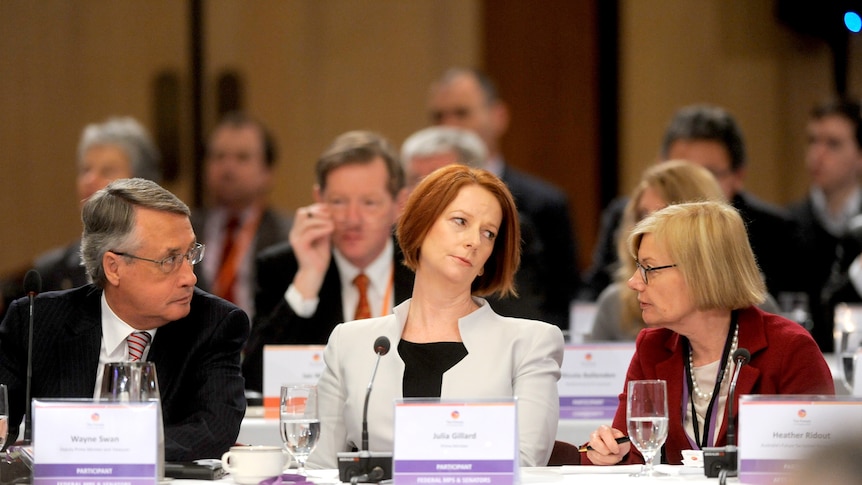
x,y
455,414
95,417
801,413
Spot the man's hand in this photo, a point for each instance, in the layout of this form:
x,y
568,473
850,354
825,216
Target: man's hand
x,y
311,239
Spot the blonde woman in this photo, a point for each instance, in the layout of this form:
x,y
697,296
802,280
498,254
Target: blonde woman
x,y
672,182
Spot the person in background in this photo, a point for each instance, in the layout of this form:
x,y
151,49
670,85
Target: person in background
x,y
827,240
138,247
340,261
697,284
709,136
461,237
238,223
118,147
618,315
549,279
431,148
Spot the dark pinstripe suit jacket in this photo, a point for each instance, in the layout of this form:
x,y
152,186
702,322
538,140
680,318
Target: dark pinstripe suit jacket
x,y
196,357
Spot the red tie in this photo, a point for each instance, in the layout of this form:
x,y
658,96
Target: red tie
x,y
363,309
225,290
137,342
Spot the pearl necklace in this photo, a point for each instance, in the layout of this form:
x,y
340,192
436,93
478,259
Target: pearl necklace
x,y
708,395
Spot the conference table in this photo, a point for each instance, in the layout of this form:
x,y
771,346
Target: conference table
x,y
580,475
257,430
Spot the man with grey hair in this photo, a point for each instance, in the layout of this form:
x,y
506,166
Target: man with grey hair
x,y
138,247
431,148
119,147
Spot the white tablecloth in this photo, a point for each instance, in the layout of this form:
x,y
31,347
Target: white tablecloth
x,y
260,431
576,475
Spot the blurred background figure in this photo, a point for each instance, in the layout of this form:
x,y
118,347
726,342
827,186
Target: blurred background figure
x,y
676,181
237,223
698,284
431,148
709,136
549,277
118,147
827,242
460,235
341,261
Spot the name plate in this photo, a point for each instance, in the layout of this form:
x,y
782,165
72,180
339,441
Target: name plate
x,y
592,378
91,443
455,442
776,432
288,364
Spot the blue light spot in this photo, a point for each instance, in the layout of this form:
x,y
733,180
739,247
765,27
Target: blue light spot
x,y
853,22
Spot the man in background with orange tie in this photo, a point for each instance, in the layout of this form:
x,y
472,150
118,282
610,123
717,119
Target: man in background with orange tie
x,y
237,224
341,261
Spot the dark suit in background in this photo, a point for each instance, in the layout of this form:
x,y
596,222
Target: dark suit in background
x,y
821,270
550,272
196,357
277,323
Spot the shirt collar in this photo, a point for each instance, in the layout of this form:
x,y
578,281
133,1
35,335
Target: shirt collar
x,y
115,330
835,224
378,272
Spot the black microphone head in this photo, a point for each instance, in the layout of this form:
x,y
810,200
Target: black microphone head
x,y
381,345
741,356
32,282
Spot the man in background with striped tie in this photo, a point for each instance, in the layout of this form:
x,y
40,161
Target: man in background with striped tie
x,y
138,247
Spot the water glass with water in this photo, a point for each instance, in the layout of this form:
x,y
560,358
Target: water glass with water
x,y
647,418
299,422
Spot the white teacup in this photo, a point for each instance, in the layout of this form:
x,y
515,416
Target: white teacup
x,y
248,465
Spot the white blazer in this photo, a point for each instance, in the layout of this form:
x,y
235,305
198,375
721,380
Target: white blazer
x,y
506,357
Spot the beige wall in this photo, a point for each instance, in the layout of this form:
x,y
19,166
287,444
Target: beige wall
x,y
314,69
732,53
311,69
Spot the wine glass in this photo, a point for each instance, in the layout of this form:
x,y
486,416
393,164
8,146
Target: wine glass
x,y
299,422
4,416
646,414
848,340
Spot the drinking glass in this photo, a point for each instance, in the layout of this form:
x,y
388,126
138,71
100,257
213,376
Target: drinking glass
x,y
4,416
299,422
135,382
646,415
848,340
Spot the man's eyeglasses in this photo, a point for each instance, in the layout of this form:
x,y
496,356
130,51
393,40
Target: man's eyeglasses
x,y
172,263
646,270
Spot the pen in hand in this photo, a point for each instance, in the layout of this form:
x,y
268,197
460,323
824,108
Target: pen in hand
x,y
621,439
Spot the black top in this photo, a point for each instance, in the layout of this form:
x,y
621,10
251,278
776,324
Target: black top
x,y
424,365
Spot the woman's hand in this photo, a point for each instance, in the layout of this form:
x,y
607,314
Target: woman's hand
x,y
605,450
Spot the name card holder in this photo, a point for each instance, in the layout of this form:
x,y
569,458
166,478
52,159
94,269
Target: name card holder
x,y
592,378
288,364
776,432
456,442
77,442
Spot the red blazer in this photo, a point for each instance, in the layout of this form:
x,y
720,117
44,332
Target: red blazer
x,y
784,360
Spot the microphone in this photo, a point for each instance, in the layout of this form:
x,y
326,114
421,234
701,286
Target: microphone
x,y
721,462
366,466
381,348
32,287
740,357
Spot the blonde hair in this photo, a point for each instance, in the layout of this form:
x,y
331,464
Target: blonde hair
x,y
675,181
708,243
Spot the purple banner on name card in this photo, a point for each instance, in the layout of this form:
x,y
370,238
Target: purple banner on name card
x,y
588,407
762,472
453,466
454,472
115,474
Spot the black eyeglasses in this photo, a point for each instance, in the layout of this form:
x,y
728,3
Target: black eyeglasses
x,y
172,263
645,270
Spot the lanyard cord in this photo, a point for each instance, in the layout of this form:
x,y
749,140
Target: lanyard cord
x,y
702,443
